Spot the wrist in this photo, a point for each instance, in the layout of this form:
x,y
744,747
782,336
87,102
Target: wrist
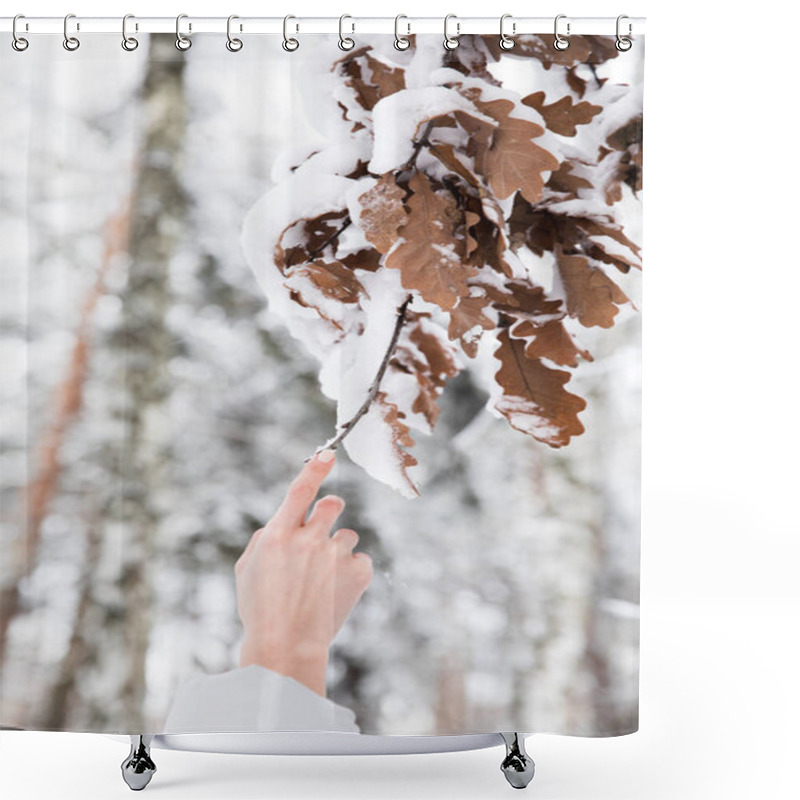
x,y
305,662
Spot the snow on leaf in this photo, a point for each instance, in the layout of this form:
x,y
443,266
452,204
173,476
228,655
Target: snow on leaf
x,y
427,255
382,212
370,77
305,237
377,443
398,119
534,399
332,278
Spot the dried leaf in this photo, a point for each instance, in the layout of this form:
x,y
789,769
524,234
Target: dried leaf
x,y
332,278
370,78
306,238
542,230
534,399
369,260
401,435
431,370
591,295
626,146
564,181
550,340
446,154
562,117
513,161
467,321
523,300
428,254
382,212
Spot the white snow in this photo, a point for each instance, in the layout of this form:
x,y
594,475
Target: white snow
x,y
396,118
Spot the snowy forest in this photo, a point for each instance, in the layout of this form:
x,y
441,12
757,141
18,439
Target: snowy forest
x,y
212,259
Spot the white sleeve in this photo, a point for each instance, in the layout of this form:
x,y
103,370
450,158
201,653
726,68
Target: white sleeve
x,y
253,699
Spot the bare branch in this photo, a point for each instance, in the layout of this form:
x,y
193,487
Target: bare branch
x,y
348,426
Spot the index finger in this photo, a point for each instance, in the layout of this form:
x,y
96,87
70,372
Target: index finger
x,y
303,489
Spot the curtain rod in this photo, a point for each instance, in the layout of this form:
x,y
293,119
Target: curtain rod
x,y
352,24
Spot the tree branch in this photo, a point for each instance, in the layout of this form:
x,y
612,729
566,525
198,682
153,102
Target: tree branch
x,y
418,145
348,426
346,222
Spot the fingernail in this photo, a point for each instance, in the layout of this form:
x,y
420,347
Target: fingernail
x,y
326,455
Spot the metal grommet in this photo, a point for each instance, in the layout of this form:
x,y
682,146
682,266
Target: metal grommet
x,y
345,42
70,42
451,42
129,43
623,42
560,43
19,43
289,44
182,42
400,42
506,43
234,45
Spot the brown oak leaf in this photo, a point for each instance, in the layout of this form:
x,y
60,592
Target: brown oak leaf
x,y
592,297
513,162
300,241
431,370
534,399
370,78
332,278
465,318
401,435
382,212
550,340
428,254
562,117
564,181
368,259
626,146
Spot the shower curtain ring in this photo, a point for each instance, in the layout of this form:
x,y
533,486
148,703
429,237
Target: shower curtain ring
x,y
19,43
623,42
289,43
129,43
70,42
451,42
345,42
506,43
182,42
234,45
400,42
560,43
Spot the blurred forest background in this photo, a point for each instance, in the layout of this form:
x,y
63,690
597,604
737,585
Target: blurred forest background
x,y
153,414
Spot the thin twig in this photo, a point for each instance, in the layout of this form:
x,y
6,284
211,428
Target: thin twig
x,y
348,426
418,145
346,222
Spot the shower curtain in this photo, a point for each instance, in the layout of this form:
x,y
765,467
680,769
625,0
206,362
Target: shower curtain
x,y
321,384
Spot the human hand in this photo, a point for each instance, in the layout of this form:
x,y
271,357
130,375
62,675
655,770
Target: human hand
x,y
296,584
